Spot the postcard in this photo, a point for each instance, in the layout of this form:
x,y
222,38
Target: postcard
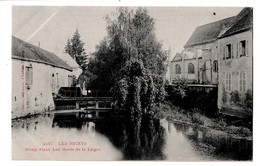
x,y
102,83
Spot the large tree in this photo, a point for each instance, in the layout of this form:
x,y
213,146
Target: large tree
x,y
130,36
131,62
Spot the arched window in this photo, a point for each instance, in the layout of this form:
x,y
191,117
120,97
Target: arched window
x,y
190,68
177,69
215,66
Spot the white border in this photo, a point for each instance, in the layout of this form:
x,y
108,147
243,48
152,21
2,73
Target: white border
x,y
5,68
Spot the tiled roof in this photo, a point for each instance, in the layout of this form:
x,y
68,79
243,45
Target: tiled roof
x,y
208,32
25,51
243,21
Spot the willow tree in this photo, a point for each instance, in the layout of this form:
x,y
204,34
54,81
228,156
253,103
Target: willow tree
x,y
130,36
131,62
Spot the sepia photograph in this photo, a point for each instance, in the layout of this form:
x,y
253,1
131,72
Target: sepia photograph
x,y
132,83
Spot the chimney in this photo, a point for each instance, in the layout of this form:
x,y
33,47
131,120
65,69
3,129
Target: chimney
x,y
39,44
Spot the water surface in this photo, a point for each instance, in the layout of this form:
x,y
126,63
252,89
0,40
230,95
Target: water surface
x,y
178,142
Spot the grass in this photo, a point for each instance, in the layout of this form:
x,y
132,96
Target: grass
x,y
195,117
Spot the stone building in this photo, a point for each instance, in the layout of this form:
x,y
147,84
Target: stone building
x,y
222,54
37,75
204,43
185,66
236,64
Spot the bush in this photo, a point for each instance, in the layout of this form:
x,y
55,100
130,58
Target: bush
x,y
196,118
224,96
162,111
249,99
201,119
235,98
220,123
239,131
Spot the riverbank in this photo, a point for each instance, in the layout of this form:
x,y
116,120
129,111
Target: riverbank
x,y
215,126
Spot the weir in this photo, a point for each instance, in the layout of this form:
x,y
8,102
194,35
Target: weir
x,y
96,104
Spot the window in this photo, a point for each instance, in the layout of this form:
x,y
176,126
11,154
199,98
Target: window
x,y
215,66
242,48
28,75
177,69
242,81
190,68
228,51
228,82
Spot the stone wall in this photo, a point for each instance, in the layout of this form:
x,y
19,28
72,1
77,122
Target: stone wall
x,y
38,96
234,98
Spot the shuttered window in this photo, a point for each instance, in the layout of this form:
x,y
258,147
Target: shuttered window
x,y
228,51
242,81
228,82
28,75
243,48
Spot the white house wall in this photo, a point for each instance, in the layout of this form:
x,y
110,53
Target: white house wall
x,y
235,66
38,96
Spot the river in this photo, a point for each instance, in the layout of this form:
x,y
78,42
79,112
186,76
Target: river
x,y
40,138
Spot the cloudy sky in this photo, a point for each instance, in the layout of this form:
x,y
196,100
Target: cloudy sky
x,y
52,26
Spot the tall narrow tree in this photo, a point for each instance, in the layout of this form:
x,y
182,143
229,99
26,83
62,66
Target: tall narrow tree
x,y
75,49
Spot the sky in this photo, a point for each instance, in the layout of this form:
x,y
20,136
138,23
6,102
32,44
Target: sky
x,y
51,26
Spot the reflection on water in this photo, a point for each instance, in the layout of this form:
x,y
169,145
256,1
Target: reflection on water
x,y
216,146
33,132
178,147
175,142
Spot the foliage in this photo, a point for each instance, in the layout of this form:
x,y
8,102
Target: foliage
x,y
235,98
171,112
224,95
84,79
131,63
188,97
201,119
220,122
196,118
74,47
177,92
248,103
239,131
162,111
135,93
130,36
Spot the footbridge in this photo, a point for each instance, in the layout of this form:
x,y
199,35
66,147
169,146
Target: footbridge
x,y
94,104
